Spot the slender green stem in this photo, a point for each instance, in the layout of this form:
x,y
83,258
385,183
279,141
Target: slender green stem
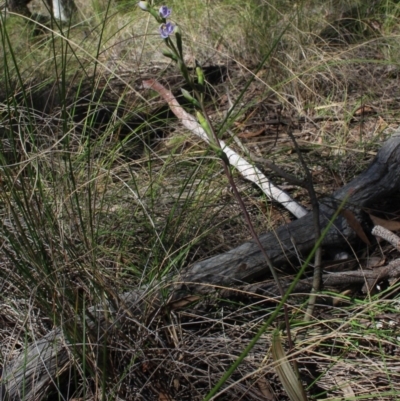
x,y
282,302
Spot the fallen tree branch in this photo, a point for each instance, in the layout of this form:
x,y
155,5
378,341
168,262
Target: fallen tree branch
x,y
387,235
284,246
366,279
30,375
248,171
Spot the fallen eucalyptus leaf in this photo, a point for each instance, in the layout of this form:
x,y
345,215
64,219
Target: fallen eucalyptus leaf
x,y
290,382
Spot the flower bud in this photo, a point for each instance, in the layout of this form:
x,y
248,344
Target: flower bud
x,y
189,97
178,36
169,54
204,124
144,5
200,75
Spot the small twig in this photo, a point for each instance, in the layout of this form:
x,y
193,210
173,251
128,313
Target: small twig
x,y
387,235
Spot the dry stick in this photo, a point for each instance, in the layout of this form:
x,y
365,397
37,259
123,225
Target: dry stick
x,y
387,235
366,277
247,170
191,123
317,276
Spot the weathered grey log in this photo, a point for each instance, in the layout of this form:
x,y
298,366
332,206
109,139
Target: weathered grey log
x,y
34,371
29,376
246,263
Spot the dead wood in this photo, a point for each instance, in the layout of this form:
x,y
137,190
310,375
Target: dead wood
x,y
285,245
367,279
32,373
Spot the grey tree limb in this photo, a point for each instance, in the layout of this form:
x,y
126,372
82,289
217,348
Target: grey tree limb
x,y
246,263
31,375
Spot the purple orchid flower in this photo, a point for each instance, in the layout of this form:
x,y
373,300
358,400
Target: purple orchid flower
x,y
164,12
166,29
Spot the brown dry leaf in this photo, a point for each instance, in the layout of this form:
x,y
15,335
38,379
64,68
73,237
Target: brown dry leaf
x,y
382,124
355,225
265,389
164,397
336,301
248,134
289,380
145,367
184,301
223,100
391,225
363,110
346,388
373,262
